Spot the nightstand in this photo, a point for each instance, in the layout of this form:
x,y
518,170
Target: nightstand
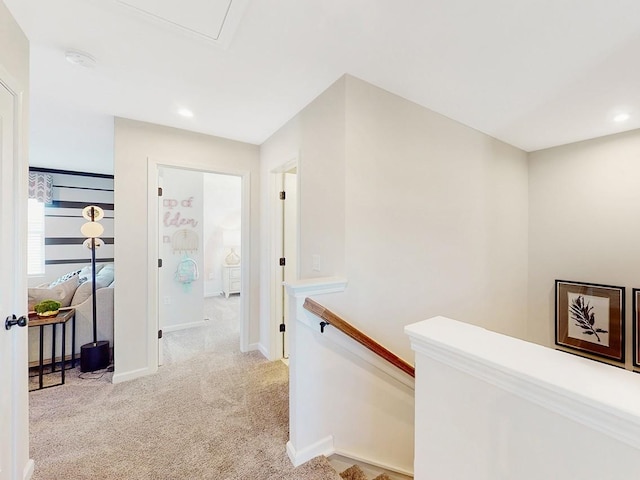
x,y
230,279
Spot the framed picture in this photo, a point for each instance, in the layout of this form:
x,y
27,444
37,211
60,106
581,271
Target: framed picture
x,y
590,318
636,327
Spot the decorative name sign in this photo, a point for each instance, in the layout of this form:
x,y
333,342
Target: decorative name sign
x,y
177,219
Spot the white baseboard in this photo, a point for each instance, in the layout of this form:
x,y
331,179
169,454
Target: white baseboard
x,y
367,461
132,375
212,294
321,447
182,326
263,350
27,472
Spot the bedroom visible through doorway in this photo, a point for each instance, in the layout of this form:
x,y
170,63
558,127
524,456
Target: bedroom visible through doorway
x,y
199,282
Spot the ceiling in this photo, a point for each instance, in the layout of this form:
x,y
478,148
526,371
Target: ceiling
x,y
533,73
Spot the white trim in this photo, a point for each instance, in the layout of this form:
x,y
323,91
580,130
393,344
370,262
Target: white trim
x,y
373,463
263,350
316,286
351,347
184,326
132,375
321,447
28,469
245,254
522,369
274,248
223,40
153,164
252,347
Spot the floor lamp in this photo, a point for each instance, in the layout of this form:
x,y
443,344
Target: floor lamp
x,y
95,355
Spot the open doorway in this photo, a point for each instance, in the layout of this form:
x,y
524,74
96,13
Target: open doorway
x,y
199,301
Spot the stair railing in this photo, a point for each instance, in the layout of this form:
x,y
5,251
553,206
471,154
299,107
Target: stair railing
x,y
331,319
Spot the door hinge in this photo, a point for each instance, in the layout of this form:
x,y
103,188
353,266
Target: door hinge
x,y
159,333
283,195
159,263
283,261
283,327
159,191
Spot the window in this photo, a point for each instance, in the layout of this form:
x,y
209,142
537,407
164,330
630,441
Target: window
x,y
35,237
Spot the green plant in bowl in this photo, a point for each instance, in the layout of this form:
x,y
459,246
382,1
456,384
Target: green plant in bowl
x,y
47,308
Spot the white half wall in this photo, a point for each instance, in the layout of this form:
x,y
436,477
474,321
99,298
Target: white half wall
x,y
493,407
343,398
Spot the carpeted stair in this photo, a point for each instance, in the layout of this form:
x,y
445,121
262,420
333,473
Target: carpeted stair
x,y
356,473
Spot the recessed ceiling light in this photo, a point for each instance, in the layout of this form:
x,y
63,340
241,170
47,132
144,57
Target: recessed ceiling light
x,y
185,112
80,58
621,117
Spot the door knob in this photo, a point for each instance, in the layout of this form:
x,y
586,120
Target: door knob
x,y
12,320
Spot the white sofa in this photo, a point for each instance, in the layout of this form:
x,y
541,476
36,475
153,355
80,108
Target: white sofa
x,y
75,290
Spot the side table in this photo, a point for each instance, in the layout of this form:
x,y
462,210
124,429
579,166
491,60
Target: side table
x,y
63,316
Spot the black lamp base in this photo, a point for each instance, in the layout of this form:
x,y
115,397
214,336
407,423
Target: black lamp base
x,y
94,356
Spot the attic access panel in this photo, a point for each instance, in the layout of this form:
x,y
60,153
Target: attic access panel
x,y
213,19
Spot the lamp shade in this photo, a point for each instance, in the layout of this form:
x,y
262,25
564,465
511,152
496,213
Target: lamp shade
x,y
92,229
98,213
89,244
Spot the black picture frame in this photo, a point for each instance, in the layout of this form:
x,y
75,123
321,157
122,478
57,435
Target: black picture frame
x,y
589,318
636,327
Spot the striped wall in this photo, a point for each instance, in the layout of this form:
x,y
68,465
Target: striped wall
x,y
72,191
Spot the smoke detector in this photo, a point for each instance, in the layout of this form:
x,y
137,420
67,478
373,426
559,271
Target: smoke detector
x,y
80,58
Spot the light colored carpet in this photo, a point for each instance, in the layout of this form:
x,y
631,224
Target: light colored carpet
x,y
221,331
219,414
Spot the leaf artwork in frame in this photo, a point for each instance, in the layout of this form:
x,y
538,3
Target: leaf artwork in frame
x,y
582,310
590,318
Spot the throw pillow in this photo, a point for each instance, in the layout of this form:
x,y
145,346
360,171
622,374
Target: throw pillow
x,y
64,278
85,274
62,292
83,292
104,278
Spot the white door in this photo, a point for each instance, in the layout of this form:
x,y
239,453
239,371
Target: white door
x,y
14,400
289,244
160,277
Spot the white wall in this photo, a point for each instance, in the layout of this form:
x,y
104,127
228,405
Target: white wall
x,y
134,143
584,203
423,215
492,407
181,213
315,138
222,203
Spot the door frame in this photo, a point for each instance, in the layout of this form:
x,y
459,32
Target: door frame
x,y
275,247
21,465
153,164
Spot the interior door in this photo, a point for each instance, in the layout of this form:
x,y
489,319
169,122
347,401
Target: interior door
x,y
289,244
161,312
14,398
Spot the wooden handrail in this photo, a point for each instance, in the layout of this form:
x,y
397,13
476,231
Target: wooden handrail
x,y
348,329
